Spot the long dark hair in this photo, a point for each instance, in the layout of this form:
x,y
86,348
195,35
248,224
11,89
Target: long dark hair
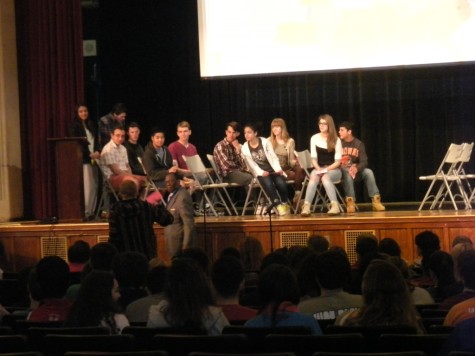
x,y
89,123
94,303
188,295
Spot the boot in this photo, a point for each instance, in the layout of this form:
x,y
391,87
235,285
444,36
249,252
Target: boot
x,y
334,208
305,209
376,202
350,205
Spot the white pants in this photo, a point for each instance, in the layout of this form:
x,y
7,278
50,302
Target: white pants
x,y
90,188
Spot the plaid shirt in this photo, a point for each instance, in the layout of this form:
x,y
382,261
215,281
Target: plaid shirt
x,y
227,159
114,154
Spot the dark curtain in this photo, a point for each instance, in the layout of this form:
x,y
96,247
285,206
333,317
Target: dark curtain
x,y
49,35
407,117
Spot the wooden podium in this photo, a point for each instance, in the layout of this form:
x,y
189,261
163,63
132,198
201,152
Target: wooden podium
x,y
69,188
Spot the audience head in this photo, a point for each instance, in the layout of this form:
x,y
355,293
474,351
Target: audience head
x,y
427,242
252,253
441,267
130,269
277,284
102,255
52,273
156,279
462,239
227,275
276,257
390,247
366,245
231,251
466,268
457,250
198,255
128,190
318,243
332,270
307,277
79,252
296,255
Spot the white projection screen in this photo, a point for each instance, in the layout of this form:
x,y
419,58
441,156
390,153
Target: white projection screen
x,y
250,37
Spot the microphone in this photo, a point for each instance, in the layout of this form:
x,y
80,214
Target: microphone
x,y
272,206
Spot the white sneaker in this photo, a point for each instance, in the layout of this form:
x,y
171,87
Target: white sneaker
x,y
260,209
305,209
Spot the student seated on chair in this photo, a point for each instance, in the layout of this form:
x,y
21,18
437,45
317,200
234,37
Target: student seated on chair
x,y
325,150
264,162
134,149
157,159
116,162
354,168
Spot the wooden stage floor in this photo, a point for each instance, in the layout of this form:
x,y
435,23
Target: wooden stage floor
x,y
26,242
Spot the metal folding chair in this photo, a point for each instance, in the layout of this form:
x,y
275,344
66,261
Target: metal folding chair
x,y
219,179
446,174
197,168
108,192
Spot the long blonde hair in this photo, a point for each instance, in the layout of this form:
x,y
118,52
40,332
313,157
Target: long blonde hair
x,y
285,134
332,134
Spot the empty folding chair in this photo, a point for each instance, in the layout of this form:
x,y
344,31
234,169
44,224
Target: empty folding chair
x,y
197,168
108,192
444,175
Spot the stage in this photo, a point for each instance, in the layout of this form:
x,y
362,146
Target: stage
x,y
26,242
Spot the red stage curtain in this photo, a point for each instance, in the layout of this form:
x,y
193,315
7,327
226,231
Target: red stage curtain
x,y
49,36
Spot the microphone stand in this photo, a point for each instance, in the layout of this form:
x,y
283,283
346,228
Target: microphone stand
x,y
269,212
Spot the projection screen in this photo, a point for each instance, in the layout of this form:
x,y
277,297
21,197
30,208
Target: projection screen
x,y
251,37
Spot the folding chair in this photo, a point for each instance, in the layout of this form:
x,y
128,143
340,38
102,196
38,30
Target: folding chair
x,y
467,193
107,192
446,174
151,186
305,161
197,168
219,179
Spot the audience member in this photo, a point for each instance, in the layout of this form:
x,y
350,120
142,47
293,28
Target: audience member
x,y
82,126
115,162
130,269
426,243
252,253
108,122
386,300
332,272
460,244
198,255
102,255
278,257
227,275
354,168
157,159
462,239
308,284
279,295
52,274
420,296
390,247
460,312
181,234
461,339
231,252
318,243
262,160
78,255
284,148
441,268
134,149
325,150
366,249
137,311
131,222
179,309
96,304
227,155
466,274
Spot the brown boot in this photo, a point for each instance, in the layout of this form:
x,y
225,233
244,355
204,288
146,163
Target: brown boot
x,y
376,202
350,205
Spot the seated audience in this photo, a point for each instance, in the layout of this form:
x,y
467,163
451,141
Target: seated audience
x,y
131,222
460,312
227,275
332,271
426,244
102,255
187,302
134,149
461,339
137,311
198,255
386,300
466,274
52,274
441,268
279,296
96,304
78,255
308,284
130,269
318,243
390,247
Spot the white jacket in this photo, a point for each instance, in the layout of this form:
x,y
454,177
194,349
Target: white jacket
x,y
270,155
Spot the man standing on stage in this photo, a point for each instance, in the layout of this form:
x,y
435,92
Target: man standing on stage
x,y
354,168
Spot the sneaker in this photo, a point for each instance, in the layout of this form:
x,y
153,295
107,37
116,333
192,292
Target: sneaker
x,y
283,209
305,209
260,209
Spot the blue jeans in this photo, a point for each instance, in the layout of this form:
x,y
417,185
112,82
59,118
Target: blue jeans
x,y
328,180
366,175
272,184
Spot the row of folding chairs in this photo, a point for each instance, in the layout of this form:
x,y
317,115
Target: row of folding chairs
x,y
450,181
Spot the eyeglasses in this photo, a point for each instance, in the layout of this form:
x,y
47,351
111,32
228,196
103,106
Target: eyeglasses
x,y
322,123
